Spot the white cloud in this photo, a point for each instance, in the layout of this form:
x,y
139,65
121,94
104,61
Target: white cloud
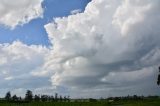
x,y
112,48
19,12
19,60
110,36
76,11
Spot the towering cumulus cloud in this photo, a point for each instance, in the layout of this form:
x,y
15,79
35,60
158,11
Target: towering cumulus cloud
x,y
113,46
110,49
20,12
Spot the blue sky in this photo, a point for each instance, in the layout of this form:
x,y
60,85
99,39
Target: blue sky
x,y
34,32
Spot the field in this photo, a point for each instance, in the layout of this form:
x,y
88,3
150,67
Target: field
x,y
147,102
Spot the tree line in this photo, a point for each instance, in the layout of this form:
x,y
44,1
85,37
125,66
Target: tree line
x,y
29,97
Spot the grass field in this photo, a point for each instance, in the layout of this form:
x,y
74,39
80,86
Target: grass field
x,y
147,102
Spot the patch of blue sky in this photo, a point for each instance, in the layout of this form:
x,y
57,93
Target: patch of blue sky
x,y
34,32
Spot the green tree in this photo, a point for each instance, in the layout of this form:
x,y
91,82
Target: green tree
x,y
56,97
65,98
15,98
29,95
60,98
68,98
8,96
44,98
37,98
158,80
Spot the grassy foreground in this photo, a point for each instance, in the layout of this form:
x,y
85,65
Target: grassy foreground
x,y
147,102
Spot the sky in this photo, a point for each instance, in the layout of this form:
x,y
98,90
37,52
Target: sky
x,y
81,48
33,32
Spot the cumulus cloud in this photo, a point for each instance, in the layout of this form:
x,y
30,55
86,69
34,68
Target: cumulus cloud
x,y
76,11
110,37
18,60
110,49
19,12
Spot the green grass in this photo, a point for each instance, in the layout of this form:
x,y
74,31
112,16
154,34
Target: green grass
x,y
56,104
147,102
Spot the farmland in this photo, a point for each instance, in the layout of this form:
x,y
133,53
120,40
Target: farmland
x,y
145,102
